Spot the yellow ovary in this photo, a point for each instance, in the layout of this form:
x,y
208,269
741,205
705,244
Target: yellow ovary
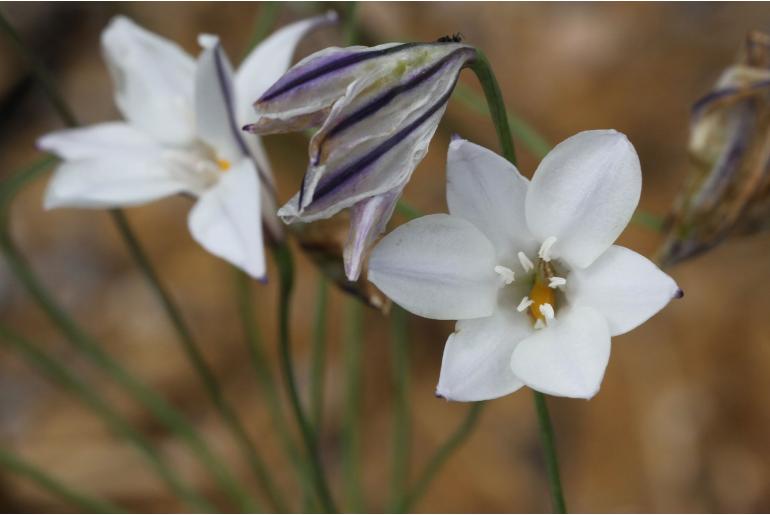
x,y
540,294
223,165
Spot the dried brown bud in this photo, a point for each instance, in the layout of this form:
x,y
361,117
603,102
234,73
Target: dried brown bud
x,y
728,190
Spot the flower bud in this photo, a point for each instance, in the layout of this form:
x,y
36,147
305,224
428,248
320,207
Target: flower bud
x,y
728,190
377,109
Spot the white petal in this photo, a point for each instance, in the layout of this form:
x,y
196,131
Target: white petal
x,y
97,140
108,165
215,102
625,287
567,358
153,80
584,193
226,219
477,357
437,266
488,191
269,60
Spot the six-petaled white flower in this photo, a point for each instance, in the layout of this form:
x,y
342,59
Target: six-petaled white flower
x,y
528,268
181,134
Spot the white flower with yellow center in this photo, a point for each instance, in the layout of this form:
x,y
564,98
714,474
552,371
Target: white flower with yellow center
x,y
528,269
181,134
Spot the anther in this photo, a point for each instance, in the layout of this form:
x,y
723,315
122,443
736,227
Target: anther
x,y
555,282
547,311
524,304
506,273
545,249
526,264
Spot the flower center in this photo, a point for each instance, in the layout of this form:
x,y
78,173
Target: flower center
x,y
542,299
223,165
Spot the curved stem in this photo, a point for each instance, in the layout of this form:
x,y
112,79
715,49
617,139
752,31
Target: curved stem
x,y
88,504
285,264
444,452
259,361
119,425
351,423
143,394
483,71
551,462
401,418
318,355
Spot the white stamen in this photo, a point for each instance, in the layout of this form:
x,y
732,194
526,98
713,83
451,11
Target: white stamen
x,y
526,264
545,249
555,282
524,304
539,324
547,311
506,273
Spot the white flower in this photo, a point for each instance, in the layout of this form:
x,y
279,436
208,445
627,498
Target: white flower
x,y
528,269
181,134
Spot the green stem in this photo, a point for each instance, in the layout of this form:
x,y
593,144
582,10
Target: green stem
x,y
350,31
496,104
198,362
351,430
444,452
401,419
145,395
285,264
551,462
318,355
497,112
119,425
259,361
88,504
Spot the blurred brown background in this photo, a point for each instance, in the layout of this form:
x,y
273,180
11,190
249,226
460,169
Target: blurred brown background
x,y
683,417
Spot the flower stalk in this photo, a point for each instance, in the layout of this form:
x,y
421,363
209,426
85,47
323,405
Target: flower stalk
x,y
285,264
491,88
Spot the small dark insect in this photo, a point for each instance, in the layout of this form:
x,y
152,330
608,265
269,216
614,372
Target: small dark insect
x,y
457,37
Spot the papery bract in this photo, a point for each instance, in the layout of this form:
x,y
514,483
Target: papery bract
x,y
181,134
528,268
378,109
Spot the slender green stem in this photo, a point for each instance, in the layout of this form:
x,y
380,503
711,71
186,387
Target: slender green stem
x,y
23,468
318,354
260,363
199,364
497,112
119,425
552,463
350,30
351,423
285,264
494,98
457,438
40,71
265,21
143,394
399,476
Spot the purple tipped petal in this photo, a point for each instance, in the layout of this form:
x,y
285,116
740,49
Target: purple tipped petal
x,y
369,219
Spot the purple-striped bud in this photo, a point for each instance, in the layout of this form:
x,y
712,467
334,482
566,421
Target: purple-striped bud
x,y
378,109
728,190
